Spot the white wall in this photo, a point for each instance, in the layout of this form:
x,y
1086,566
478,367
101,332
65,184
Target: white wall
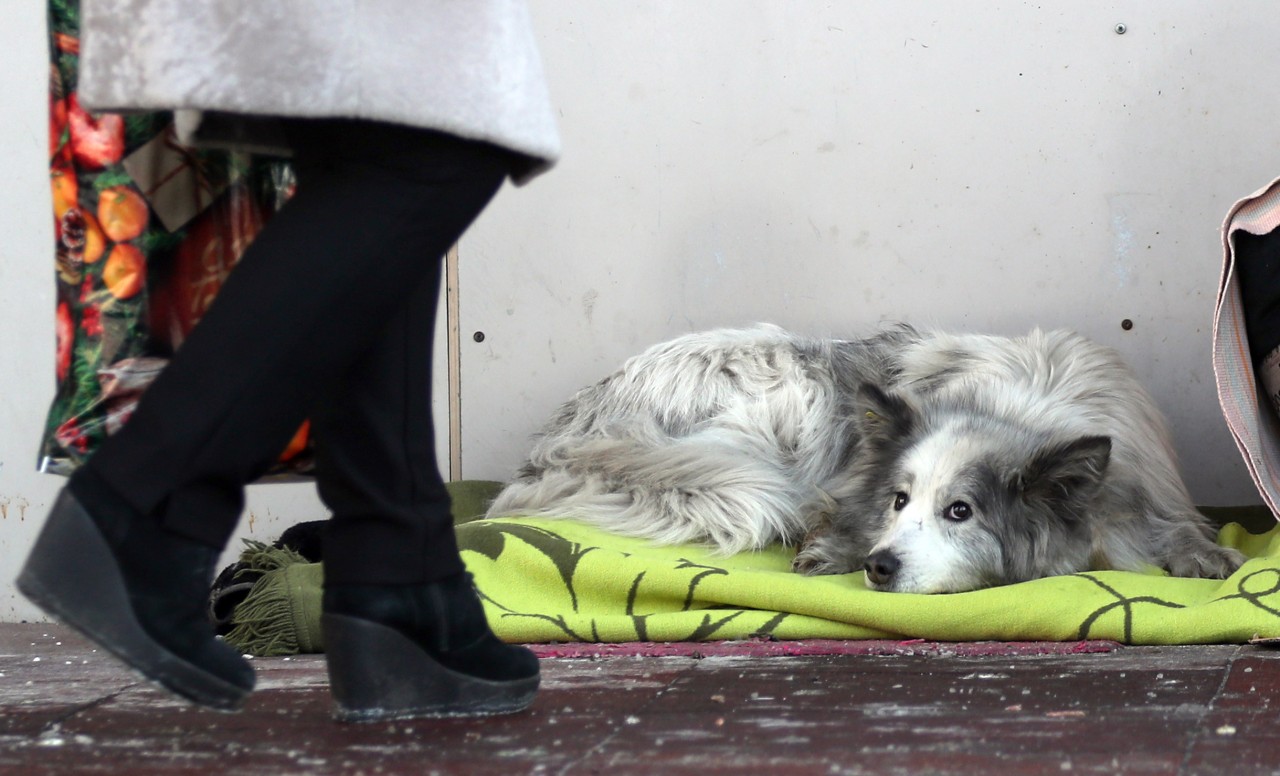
x,y
827,166
26,288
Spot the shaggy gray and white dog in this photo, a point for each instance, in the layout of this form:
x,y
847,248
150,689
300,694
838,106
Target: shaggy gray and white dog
x,y
937,462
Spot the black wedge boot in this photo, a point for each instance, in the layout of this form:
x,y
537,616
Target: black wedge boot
x,y
139,592
404,651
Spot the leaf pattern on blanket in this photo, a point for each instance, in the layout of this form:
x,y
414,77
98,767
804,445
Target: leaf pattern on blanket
x,y
552,580
490,539
564,555
1126,605
1260,588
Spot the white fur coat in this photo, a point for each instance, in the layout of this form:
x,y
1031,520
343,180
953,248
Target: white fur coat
x,y
467,67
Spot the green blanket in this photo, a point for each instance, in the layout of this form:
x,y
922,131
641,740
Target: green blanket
x,y
559,580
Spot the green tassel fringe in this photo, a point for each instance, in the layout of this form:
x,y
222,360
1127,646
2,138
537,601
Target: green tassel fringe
x,y
261,624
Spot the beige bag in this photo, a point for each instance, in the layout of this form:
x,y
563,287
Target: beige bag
x,y
1248,411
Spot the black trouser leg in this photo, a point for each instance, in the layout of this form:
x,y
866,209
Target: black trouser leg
x,y
376,465
376,207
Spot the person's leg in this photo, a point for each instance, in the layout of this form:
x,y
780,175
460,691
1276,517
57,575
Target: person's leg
x,y
405,633
126,549
375,209
376,467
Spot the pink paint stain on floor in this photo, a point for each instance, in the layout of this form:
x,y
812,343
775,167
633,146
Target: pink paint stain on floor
x,y
818,647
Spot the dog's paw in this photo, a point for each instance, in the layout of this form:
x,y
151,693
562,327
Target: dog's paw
x,y
812,565
822,554
1209,562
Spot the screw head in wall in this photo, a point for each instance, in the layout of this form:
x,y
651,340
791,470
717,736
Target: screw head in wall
x,y
1121,28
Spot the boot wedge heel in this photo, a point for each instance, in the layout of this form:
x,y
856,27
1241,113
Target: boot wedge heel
x,y
73,575
376,673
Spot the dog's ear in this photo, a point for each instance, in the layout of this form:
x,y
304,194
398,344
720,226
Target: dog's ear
x,y
885,414
1066,475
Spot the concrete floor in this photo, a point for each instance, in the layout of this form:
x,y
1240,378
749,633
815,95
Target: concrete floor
x,y
66,708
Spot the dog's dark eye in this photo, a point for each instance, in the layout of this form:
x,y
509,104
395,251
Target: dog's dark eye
x,y
959,512
900,501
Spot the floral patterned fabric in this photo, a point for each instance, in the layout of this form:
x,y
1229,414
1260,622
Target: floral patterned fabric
x,y
146,230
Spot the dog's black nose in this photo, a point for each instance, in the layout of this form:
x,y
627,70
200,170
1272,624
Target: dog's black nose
x,y
881,565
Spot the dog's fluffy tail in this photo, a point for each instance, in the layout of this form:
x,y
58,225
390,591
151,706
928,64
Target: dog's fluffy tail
x,y
712,485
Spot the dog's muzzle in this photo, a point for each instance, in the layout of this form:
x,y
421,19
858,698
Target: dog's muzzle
x,y
881,565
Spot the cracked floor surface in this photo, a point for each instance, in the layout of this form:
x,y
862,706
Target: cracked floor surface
x,y
66,708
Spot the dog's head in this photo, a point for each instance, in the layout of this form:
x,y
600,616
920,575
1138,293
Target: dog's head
x,y
963,501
